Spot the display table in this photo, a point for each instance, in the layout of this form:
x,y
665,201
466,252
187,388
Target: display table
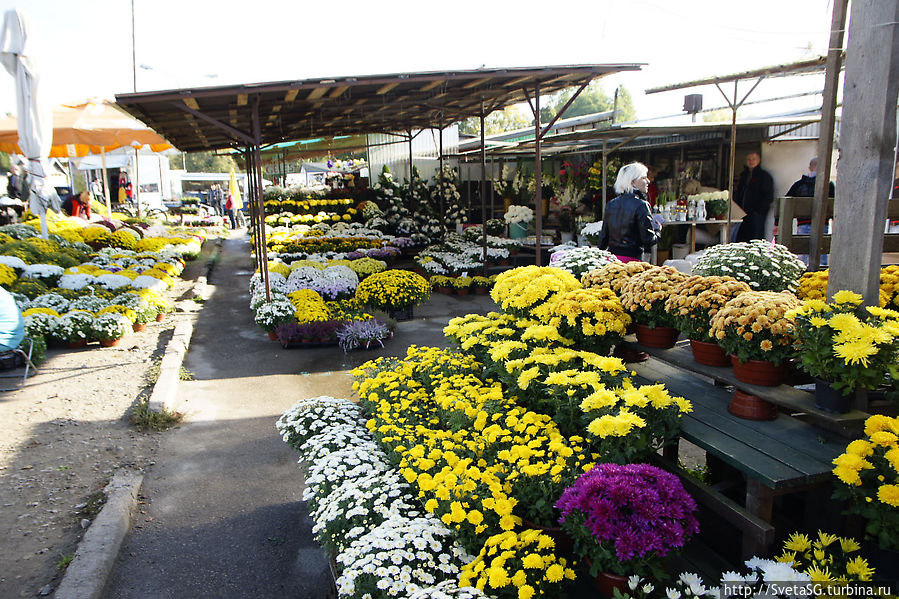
x,y
691,235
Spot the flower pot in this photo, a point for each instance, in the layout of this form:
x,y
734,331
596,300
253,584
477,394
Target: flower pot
x,y
709,354
750,407
658,337
830,400
273,336
759,372
160,316
480,291
110,342
628,354
137,328
462,291
400,313
517,230
443,289
606,584
76,344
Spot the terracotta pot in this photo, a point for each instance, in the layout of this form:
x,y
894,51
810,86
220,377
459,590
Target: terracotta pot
x,y
830,400
759,372
607,583
709,354
160,316
658,337
462,291
110,342
76,344
750,407
137,328
273,336
480,291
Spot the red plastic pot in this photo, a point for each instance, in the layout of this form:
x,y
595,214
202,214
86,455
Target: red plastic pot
x,y
658,337
759,372
749,407
709,354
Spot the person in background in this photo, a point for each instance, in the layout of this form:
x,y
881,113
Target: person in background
x,y
76,204
97,191
805,188
628,228
229,210
755,194
12,183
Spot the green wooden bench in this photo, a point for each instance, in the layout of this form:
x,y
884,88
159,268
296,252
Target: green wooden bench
x,y
776,457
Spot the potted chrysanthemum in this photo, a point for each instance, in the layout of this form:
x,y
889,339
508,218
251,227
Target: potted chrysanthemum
x,y
625,518
845,346
395,291
109,328
644,296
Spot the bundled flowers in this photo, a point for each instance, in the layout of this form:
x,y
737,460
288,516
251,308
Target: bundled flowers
x,y
761,264
644,295
757,325
625,517
845,343
697,299
869,473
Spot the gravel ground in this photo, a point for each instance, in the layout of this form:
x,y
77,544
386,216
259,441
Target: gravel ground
x,y
64,433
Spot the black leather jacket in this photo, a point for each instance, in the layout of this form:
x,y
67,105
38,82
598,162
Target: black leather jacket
x,y
627,227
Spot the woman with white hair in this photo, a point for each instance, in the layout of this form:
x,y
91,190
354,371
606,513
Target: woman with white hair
x,y
627,227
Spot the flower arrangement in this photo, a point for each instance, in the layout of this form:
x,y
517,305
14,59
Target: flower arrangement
x,y
110,326
697,299
614,275
644,295
515,565
526,291
761,264
757,325
629,423
580,260
593,318
393,289
519,215
845,343
625,517
827,558
869,475
362,333
715,202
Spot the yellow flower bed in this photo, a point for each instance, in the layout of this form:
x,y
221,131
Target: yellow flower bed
x,y
309,306
526,291
7,275
280,268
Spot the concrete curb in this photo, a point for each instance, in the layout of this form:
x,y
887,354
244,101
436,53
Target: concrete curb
x,y
85,578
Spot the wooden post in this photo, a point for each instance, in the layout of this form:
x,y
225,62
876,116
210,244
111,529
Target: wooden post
x,y
867,145
538,176
825,136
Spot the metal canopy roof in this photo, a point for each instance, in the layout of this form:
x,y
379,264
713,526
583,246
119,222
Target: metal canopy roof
x,y
212,118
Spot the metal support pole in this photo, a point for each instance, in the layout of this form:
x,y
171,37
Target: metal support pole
x,y
483,189
732,167
825,138
538,175
257,134
411,186
440,180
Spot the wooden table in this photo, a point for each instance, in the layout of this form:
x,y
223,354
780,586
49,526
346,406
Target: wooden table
x,y
777,457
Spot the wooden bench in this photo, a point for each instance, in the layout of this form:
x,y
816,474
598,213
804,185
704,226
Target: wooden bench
x,y
777,457
790,208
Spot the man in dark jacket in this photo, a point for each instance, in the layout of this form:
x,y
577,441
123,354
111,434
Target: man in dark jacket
x,y
805,187
755,194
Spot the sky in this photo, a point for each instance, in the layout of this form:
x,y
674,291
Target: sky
x,y
85,46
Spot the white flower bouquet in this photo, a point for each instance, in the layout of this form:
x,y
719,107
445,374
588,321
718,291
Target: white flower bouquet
x,y
398,557
761,264
580,260
518,215
110,326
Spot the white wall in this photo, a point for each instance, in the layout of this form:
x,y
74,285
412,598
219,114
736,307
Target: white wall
x,y
787,161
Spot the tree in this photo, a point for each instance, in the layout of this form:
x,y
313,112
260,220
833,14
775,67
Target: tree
x,y
508,119
593,99
204,162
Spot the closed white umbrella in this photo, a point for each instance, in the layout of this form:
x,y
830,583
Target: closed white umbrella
x,y
35,115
